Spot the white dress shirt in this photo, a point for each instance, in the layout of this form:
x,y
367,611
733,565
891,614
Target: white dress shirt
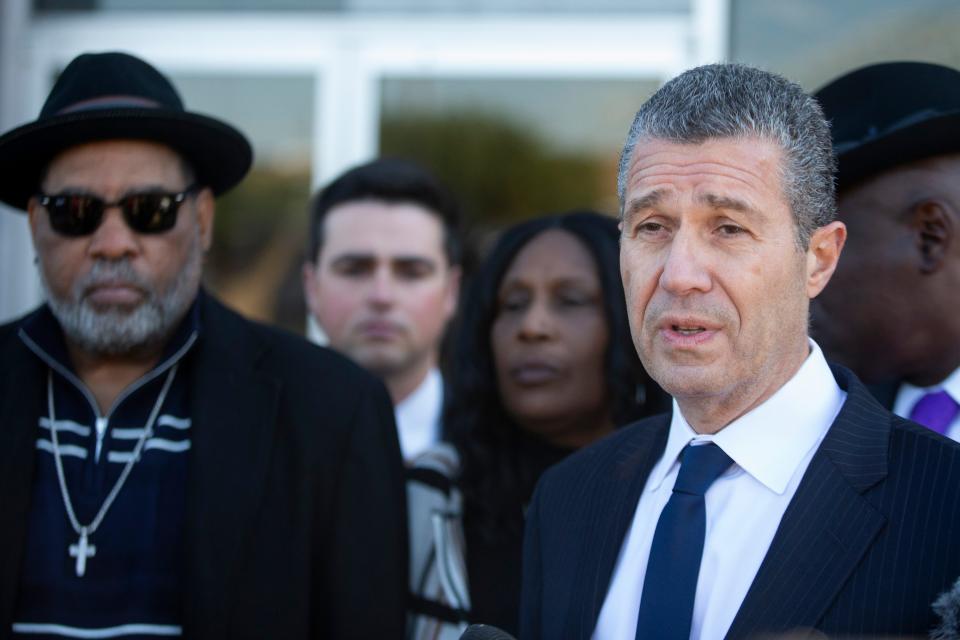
x,y
771,447
908,395
418,416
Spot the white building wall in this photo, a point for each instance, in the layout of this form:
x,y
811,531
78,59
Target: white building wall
x,y
348,55
19,286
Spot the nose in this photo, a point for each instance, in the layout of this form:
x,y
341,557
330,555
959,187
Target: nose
x,y
536,323
685,267
113,239
382,292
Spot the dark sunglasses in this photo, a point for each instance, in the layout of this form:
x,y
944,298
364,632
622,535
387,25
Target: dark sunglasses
x,y
79,214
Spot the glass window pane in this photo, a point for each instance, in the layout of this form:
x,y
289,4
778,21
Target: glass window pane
x,y
373,6
814,41
254,263
514,148
187,5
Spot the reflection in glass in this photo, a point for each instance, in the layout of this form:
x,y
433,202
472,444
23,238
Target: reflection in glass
x,y
259,230
814,41
371,6
514,148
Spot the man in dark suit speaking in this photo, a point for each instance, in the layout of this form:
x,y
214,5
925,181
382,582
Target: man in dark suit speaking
x,y
778,495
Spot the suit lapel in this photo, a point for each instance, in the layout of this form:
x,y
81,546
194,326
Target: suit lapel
x,y
618,483
20,405
828,526
234,413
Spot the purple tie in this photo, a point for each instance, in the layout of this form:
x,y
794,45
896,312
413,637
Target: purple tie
x,y
935,410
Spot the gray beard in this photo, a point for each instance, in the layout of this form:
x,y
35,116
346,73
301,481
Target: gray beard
x,y
117,331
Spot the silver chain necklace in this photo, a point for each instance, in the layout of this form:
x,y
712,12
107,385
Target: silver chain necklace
x,y
83,549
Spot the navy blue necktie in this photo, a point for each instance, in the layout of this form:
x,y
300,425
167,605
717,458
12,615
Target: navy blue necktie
x,y
670,585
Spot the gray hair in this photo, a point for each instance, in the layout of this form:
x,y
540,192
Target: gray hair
x,y
736,101
121,332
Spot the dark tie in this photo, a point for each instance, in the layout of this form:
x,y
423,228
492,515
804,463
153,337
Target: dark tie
x,y
670,585
935,410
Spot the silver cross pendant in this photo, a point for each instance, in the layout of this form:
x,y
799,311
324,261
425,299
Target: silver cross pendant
x,y
81,551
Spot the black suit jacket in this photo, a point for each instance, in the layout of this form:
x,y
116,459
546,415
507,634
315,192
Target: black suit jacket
x,y
867,543
296,515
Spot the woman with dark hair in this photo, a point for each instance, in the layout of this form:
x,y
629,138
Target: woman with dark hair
x,y
543,365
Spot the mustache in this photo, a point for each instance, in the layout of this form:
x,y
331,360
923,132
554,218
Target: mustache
x,y
656,311
110,272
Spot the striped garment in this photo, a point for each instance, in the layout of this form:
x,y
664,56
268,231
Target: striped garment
x,y
130,586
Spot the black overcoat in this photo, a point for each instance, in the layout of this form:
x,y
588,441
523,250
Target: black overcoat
x,y
296,514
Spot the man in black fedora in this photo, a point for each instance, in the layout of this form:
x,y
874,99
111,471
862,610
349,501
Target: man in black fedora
x,y
890,312
168,468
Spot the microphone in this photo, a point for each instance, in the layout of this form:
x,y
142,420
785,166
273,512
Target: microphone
x,y
947,606
485,632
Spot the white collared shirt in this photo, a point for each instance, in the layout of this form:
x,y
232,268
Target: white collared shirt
x,y
771,447
908,395
418,416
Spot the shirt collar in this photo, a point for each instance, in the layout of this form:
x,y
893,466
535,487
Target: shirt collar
x,y
770,441
909,394
421,409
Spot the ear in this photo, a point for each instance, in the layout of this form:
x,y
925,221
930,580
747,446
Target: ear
x,y
310,286
823,252
932,227
33,217
206,208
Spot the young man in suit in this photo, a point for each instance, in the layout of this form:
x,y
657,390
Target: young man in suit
x,y
381,279
778,495
168,468
889,311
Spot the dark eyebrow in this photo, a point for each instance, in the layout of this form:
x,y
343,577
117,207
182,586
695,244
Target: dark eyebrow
x,y
367,261
727,203
413,260
353,258
519,282
646,201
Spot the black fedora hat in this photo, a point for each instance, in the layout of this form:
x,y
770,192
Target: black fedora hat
x,y
889,114
105,96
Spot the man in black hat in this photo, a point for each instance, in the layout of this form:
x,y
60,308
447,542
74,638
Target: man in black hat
x,y
167,467
890,311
